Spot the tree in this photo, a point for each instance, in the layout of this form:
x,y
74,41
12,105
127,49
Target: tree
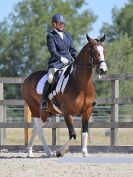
x,y
120,46
122,23
24,45
120,60
23,35
124,20
119,55
120,40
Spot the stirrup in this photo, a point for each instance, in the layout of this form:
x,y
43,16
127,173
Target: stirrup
x,y
44,105
94,104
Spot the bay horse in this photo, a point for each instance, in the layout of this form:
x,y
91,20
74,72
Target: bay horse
x,y
77,98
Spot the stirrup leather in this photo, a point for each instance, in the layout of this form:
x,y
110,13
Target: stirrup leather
x,y
57,104
44,105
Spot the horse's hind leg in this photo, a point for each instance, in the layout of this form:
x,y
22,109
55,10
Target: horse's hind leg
x,y
30,145
34,111
39,130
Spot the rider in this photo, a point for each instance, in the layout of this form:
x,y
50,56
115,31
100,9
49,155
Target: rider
x,y
62,52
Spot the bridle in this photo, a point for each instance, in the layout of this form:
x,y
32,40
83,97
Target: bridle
x,y
91,65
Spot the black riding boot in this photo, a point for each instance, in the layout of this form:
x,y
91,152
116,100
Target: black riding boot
x,y
44,101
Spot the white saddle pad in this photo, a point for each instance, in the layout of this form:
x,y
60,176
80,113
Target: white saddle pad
x,y
62,82
41,83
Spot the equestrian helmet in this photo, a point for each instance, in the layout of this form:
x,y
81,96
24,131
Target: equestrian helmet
x,y
58,18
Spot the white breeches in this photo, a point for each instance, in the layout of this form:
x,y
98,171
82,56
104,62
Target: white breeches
x,y
51,73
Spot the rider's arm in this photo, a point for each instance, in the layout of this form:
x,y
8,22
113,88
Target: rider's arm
x,y
51,46
72,49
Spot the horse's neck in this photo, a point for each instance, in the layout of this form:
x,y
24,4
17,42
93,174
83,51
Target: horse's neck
x,y
82,76
82,71
83,56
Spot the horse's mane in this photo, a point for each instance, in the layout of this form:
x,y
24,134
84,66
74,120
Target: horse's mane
x,y
82,50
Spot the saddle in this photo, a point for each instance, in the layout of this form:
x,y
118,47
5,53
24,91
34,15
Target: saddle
x,y
61,78
58,75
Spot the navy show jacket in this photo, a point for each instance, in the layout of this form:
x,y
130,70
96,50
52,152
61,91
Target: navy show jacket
x,y
58,48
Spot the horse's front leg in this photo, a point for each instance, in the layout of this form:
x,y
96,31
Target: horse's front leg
x,y
69,123
85,118
72,134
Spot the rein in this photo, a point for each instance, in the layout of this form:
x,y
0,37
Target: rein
x,y
88,67
83,66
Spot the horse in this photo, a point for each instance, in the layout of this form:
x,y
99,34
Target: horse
x,y
77,98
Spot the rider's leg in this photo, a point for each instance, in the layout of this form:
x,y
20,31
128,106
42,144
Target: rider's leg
x,y
46,90
51,79
51,73
44,100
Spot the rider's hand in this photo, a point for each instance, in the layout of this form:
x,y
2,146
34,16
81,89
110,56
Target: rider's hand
x,y
64,60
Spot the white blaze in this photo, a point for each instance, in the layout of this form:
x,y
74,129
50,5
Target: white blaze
x,y
103,64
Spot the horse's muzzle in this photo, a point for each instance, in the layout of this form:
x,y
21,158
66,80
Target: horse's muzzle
x,y
102,71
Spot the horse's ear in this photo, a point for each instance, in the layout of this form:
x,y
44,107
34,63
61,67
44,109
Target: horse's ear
x,y
102,39
88,38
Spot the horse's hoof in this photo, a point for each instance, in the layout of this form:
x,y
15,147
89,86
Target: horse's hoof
x,y
51,154
30,155
73,135
59,154
85,154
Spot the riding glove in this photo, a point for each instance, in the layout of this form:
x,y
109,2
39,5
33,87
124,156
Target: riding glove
x,y
64,60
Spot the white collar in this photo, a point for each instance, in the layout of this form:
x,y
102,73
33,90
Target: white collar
x,y
59,32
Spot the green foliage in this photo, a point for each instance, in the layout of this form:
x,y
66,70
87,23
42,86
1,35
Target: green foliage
x,y
23,39
119,46
124,20
119,55
23,35
12,92
122,23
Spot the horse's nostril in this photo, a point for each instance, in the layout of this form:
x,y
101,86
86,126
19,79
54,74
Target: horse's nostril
x,y
102,72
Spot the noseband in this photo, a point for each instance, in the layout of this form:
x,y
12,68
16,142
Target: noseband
x,y
93,58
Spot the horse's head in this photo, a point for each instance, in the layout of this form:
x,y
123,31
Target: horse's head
x,y
97,54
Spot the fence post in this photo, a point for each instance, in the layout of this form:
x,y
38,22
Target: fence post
x,y
55,131
1,115
114,112
27,118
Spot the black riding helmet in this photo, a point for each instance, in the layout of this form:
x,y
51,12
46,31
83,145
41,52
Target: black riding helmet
x,y
58,18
